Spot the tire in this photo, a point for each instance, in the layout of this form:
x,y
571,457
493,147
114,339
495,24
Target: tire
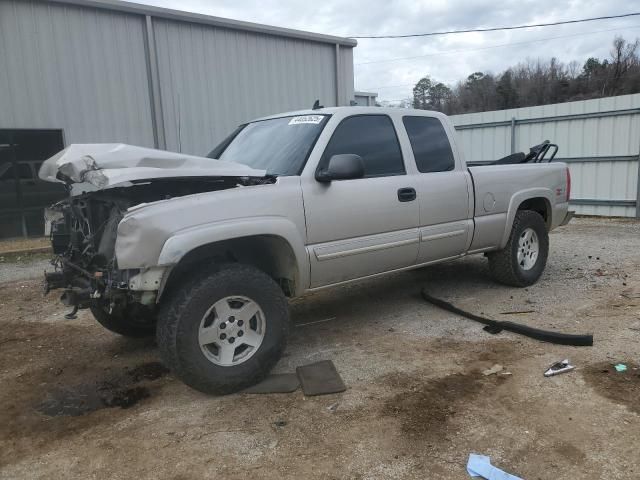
x,y
203,305
505,266
132,323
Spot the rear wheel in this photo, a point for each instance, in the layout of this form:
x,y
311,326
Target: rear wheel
x,y
524,258
134,323
225,330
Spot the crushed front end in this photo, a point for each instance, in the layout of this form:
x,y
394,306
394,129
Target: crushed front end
x,y
105,182
83,230
83,234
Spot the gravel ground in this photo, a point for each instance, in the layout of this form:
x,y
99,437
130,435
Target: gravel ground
x,y
24,266
416,405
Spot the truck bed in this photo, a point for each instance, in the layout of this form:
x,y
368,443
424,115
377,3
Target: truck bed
x,y
498,187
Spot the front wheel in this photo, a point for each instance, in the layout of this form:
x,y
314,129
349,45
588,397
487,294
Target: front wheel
x,y
523,259
225,330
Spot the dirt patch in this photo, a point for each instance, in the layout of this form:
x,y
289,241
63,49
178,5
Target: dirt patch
x,y
622,388
55,371
46,407
569,452
83,399
117,392
425,408
147,371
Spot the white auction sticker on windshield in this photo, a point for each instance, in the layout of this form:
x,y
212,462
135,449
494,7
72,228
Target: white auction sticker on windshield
x,y
314,119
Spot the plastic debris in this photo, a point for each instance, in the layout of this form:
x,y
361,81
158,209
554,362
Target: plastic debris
x,y
558,368
621,367
495,369
495,327
480,466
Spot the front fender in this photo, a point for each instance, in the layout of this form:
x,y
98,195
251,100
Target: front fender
x,y
184,241
515,202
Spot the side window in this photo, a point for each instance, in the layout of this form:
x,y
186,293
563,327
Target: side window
x,y
429,143
374,139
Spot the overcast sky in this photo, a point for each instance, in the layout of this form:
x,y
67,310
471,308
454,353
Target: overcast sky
x,y
447,58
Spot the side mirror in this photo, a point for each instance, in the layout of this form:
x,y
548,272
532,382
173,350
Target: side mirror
x,y
345,166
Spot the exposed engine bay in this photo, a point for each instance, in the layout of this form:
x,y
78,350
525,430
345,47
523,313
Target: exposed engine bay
x,y
83,234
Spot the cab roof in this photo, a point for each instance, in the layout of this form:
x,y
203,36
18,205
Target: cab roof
x,y
348,111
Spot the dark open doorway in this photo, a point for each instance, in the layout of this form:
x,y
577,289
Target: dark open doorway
x,y
23,196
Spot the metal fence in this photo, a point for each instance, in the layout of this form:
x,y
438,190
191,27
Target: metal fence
x,y
599,139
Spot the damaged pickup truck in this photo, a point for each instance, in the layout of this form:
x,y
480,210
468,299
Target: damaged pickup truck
x,y
205,251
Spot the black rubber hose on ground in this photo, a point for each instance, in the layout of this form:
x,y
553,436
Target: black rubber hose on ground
x,y
494,326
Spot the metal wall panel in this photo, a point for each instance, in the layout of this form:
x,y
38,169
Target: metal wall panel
x,y
78,69
486,143
613,132
346,75
213,79
85,67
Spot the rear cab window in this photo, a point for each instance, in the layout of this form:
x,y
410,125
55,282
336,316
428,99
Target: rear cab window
x,y
372,137
430,144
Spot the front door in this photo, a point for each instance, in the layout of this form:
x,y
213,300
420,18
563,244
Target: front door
x,y
368,225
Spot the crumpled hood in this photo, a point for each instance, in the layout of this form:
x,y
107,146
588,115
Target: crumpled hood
x,y
105,165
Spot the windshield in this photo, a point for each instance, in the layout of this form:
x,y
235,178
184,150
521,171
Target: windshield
x,y
280,145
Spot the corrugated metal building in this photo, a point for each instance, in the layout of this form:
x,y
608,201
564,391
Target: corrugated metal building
x,y
91,71
599,139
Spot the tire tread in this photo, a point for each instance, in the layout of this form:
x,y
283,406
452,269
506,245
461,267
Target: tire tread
x,y
172,308
503,265
121,324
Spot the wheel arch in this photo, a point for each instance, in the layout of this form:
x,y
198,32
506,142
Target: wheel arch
x,y
538,200
271,245
539,205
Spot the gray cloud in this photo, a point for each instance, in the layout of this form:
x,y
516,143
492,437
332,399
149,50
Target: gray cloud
x,y
394,80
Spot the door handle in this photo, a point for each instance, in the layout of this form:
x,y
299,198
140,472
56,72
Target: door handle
x,y
406,194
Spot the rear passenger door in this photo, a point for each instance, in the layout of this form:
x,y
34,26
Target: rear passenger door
x,y
443,190
362,226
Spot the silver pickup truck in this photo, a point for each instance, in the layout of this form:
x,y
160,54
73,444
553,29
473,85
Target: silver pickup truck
x,y
204,251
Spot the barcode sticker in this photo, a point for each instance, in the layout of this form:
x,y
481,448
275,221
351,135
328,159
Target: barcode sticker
x,y
314,119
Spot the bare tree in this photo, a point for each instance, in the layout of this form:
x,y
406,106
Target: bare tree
x,y
536,82
623,58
